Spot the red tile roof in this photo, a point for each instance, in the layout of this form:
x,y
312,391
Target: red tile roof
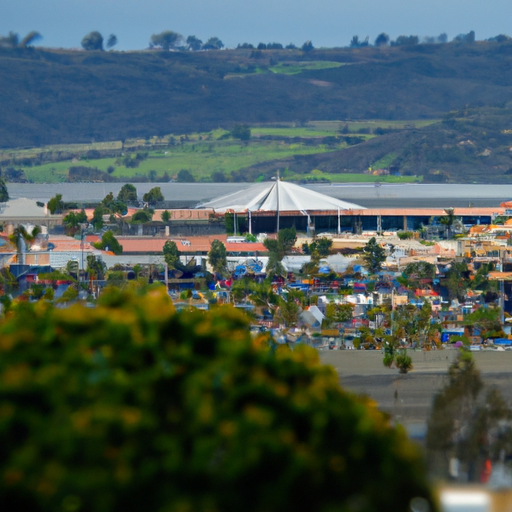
x,y
193,244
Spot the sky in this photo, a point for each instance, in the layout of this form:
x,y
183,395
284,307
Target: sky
x,y
329,23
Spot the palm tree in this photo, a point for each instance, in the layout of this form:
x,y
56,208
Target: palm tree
x,y
448,221
20,237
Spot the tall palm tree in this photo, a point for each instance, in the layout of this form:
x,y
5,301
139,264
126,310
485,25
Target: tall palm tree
x,y
448,221
21,237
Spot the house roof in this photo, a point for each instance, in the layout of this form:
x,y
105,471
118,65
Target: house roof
x,y
193,244
277,195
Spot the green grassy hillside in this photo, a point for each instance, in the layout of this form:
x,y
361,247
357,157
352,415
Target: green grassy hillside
x,y
473,145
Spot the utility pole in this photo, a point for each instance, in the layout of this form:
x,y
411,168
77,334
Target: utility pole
x,y
277,197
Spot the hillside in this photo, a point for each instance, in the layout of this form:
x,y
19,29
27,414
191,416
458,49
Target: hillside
x,y
470,145
63,96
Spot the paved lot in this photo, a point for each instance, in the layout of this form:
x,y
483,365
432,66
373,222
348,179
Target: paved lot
x,y
409,397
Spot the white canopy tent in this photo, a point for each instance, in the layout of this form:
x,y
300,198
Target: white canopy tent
x,y
279,196
276,196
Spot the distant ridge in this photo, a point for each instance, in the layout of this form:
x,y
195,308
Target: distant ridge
x,y
72,96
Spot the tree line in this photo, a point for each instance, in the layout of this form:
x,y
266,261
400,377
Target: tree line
x,y
383,39
171,40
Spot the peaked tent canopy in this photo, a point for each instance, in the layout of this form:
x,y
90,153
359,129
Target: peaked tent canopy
x,y
277,195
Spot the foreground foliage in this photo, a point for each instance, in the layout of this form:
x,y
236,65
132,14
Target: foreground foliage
x,y
130,406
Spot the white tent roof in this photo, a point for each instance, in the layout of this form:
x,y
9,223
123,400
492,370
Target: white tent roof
x,y
268,195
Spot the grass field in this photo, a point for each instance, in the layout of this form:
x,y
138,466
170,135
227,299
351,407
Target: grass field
x,y
304,132
293,68
205,153
353,178
201,159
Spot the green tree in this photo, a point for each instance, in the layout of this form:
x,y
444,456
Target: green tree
x,y
418,271
185,176
278,248
127,194
486,320
241,131
324,246
153,196
382,40
374,256
166,216
131,406
171,254
406,41
112,41
4,194
112,205
457,280
307,47
142,216
214,43
92,41
337,313
55,204
219,177
166,40
448,221
23,239
410,325
96,267
10,41
217,257
109,243
194,43
73,220
289,307
97,217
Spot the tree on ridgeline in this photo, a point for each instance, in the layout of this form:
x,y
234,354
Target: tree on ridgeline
x,y
382,40
111,41
405,41
92,41
193,43
214,43
307,47
166,40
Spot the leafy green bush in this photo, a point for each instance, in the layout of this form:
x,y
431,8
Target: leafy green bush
x,y
403,361
388,360
130,406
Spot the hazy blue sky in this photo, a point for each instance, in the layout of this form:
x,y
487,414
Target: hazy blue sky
x,y
63,23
